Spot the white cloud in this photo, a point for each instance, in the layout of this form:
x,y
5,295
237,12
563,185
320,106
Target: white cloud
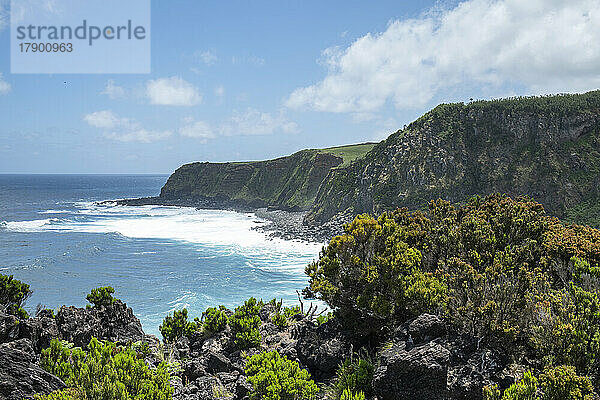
x,y
197,130
113,91
539,45
207,57
4,86
220,91
253,122
172,91
250,122
123,129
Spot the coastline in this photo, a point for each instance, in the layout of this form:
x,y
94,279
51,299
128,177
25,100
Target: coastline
x,y
283,224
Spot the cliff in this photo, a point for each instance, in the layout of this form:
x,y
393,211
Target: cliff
x,y
544,147
289,183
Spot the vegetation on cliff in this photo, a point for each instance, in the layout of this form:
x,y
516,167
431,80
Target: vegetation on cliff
x,y
498,269
545,147
288,182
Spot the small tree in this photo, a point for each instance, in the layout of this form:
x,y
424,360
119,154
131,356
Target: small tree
x,y
101,297
274,377
177,326
13,294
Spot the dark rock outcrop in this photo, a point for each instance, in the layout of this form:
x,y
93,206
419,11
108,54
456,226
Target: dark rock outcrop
x,y
115,323
20,374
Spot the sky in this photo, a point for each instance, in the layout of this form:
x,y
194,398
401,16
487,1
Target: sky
x,y
238,80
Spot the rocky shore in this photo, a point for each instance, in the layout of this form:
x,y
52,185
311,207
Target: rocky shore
x,y
421,359
285,224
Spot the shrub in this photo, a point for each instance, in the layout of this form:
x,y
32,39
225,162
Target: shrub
x,y
563,383
105,371
214,319
289,312
321,319
13,294
354,375
567,329
559,383
101,297
65,394
348,395
280,320
488,265
372,274
245,322
177,326
274,377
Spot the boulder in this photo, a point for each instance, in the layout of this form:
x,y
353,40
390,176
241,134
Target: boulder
x,y
425,328
115,323
418,373
20,375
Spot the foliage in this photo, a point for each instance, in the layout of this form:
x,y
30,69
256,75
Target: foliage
x,y
65,394
558,383
177,326
13,294
321,319
214,319
568,329
289,312
563,383
280,320
245,322
354,375
106,372
274,377
348,395
488,265
101,297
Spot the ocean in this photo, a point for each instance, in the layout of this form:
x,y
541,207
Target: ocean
x,y
56,238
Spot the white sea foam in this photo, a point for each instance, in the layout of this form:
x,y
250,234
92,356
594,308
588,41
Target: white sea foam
x,y
226,232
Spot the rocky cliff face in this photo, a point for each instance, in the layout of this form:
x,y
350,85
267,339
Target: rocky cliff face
x,y
287,182
547,148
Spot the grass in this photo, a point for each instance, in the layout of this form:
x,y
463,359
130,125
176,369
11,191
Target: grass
x,y
349,152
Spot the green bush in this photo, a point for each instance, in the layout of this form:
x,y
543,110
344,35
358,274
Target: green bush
x,y
13,294
348,395
280,320
65,394
559,383
101,297
567,330
321,319
214,319
177,326
274,377
563,383
245,322
487,265
105,372
289,312
354,375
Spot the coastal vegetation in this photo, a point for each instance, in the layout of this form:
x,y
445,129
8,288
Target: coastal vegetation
x,y
495,270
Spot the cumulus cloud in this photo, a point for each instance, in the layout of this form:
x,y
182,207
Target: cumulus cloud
x,y
172,91
254,122
113,91
197,130
247,123
123,129
539,45
4,86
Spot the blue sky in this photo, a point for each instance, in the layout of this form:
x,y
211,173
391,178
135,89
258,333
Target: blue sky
x,y
239,80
